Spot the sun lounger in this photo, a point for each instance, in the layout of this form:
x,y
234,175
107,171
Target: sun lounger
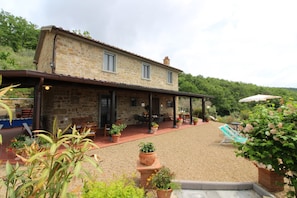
x,y
230,135
26,126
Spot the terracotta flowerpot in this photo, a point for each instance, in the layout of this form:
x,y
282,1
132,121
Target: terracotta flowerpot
x,y
164,193
272,181
154,129
195,122
115,138
147,158
178,124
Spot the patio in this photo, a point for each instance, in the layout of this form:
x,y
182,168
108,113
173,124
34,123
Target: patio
x,y
132,132
207,151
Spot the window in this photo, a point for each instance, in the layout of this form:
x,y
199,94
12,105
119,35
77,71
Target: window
x,y
169,77
109,62
146,73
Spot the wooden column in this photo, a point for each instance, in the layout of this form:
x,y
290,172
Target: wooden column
x,y
203,110
37,104
113,104
174,111
150,99
191,110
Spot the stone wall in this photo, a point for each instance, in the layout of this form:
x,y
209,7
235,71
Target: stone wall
x,y
24,103
81,59
68,102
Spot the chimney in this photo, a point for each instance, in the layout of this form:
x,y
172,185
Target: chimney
x,y
166,61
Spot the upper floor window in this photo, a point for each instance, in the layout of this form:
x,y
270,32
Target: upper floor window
x,y
109,62
169,77
146,71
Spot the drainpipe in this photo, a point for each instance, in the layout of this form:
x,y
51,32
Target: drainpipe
x,y
52,63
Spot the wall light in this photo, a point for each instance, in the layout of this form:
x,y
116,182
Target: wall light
x,y
47,87
142,104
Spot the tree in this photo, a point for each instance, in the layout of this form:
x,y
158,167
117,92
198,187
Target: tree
x,y
17,33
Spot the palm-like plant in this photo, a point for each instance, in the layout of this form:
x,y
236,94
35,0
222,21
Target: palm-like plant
x,y
49,171
2,104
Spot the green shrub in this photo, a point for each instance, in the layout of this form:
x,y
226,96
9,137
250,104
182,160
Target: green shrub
x,y
49,172
121,187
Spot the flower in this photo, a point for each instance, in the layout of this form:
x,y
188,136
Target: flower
x,y
272,138
179,120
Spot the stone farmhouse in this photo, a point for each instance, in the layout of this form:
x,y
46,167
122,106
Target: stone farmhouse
x,y
78,78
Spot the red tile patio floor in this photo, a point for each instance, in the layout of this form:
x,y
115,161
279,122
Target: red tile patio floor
x,y
131,133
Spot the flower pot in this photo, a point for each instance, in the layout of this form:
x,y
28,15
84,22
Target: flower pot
x,y
147,158
178,124
272,181
195,122
162,193
154,129
115,138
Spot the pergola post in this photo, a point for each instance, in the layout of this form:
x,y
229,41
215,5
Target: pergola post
x,y
150,98
191,111
203,110
174,111
113,104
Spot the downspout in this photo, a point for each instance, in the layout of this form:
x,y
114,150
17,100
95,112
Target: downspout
x,y
53,63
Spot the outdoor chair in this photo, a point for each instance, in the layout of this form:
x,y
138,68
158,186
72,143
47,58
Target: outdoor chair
x,y
89,126
26,126
107,128
231,135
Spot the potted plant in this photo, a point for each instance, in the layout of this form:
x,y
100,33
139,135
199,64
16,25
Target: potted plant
x,y
162,181
155,127
147,154
116,130
179,122
195,120
271,133
20,143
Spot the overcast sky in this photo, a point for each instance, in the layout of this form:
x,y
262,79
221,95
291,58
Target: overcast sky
x,y
251,41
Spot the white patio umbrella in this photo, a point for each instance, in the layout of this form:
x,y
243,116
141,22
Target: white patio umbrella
x,y
258,97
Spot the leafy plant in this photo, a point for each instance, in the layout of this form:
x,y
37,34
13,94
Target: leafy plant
x,y
20,142
179,120
163,179
146,147
121,187
272,139
154,124
3,91
48,172
116,129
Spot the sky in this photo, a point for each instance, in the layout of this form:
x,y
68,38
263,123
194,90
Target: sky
x,y
249,41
